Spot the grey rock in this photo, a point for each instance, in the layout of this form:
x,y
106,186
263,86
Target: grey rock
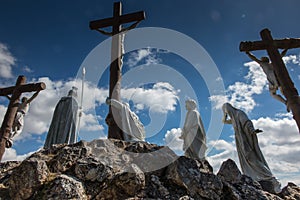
x,y
185,173
238,186
28,178
114,169
229,172
290,192
63,187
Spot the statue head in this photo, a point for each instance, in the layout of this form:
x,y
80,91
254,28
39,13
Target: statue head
x,y
24,99
265,59
190,104
228,108
73,92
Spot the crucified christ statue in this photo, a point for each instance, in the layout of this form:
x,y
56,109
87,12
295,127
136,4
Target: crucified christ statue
x,y
117,50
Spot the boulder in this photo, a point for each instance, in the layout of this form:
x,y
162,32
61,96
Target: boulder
x,y
114,169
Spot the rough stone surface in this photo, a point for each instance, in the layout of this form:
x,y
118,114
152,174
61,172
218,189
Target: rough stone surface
x,y
62,187
229,172
291,192
28,178
113,169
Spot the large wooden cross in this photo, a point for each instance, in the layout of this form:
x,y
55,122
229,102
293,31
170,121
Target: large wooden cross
x,y
116,53
15,92
287,85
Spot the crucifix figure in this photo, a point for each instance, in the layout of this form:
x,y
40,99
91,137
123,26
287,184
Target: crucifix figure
x,y
268,69
116,58
281,75
14,107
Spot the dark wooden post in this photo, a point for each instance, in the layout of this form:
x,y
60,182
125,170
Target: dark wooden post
x,y
287,85
116,53
9,117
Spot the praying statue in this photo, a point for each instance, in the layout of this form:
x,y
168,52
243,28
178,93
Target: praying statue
x,y
63,125
18,123
252,161
193,133
268,69
128,121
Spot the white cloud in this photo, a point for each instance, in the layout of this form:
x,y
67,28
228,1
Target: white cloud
x,y
227,150
280,144
148,55
161,98
240,94
27,69
90,123
281,115
172,140
294,59
7,61
218,100
11,155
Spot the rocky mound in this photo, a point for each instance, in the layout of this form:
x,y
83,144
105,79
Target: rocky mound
x,y
113,169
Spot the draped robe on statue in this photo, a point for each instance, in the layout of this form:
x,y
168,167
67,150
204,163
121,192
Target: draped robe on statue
x,y
128,121
193,133
63,124
251,159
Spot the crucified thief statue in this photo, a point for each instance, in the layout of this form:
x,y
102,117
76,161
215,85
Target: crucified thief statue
x,y
15,110
268,69
286,84
18,123
114,128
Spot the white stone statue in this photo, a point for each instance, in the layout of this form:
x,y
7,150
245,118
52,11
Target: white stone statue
x,y
193,133
63,125
268,69
128,121
252,161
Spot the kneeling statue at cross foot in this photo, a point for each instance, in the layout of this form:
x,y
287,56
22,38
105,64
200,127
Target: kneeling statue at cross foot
x,y
133,129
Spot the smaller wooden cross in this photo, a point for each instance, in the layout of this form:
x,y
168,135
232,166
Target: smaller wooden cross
x,y
287,85
15,92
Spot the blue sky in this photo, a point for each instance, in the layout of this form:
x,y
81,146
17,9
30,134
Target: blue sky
x,y
50,41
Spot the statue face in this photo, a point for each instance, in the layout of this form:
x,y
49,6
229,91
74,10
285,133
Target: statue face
x,y
24,99
190,104
186,106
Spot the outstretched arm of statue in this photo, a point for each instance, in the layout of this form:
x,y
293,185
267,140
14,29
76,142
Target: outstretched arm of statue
x,y
252,57
33,96
258,131
284,52
104,32
114,103
132,26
